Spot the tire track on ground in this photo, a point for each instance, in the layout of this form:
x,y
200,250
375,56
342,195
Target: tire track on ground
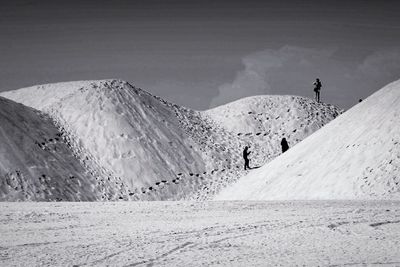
x,y
165,254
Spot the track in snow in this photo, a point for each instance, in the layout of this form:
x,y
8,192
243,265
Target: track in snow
x,y
149,149
356,156
200,234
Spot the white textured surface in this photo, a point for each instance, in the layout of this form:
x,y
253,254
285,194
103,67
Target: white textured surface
x,y
42,96
152,149
200,234
35,163
285,115
356,156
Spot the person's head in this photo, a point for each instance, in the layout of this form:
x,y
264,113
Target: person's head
x,y
283,139
317,79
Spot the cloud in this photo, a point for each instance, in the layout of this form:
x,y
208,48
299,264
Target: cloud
x,y
263,69
292,70
381,63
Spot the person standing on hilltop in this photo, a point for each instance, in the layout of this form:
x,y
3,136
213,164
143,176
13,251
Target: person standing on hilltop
x,y
246,154
317,88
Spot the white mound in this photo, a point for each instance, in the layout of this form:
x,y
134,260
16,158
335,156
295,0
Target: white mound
x,y
35,163
356,156
294,117
43,96
158,150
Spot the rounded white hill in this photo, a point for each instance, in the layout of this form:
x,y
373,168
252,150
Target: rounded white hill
x,y
356,156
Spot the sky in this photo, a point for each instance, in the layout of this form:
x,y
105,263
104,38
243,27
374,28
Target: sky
x,y
201,54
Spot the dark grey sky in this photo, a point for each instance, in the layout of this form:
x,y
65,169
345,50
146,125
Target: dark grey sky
x,y
202,53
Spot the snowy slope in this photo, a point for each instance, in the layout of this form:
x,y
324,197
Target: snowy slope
x,y
161,151
356,156
36,163
42,96
262,121
298,116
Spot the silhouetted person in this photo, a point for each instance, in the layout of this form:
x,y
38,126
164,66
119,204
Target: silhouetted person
x,y
284,144
317,89
359,100
246,154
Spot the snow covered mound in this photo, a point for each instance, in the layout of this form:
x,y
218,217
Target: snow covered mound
x,y
294,117
43,96
356,156
156,150
297,115
36,163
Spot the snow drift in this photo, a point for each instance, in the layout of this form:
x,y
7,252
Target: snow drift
x,y
157,150
356,156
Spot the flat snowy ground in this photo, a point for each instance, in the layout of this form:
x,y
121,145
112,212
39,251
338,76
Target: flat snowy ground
x,y
200,233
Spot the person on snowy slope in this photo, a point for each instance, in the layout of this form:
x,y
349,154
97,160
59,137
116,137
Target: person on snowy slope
x,y
246,154
317,89
284,144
